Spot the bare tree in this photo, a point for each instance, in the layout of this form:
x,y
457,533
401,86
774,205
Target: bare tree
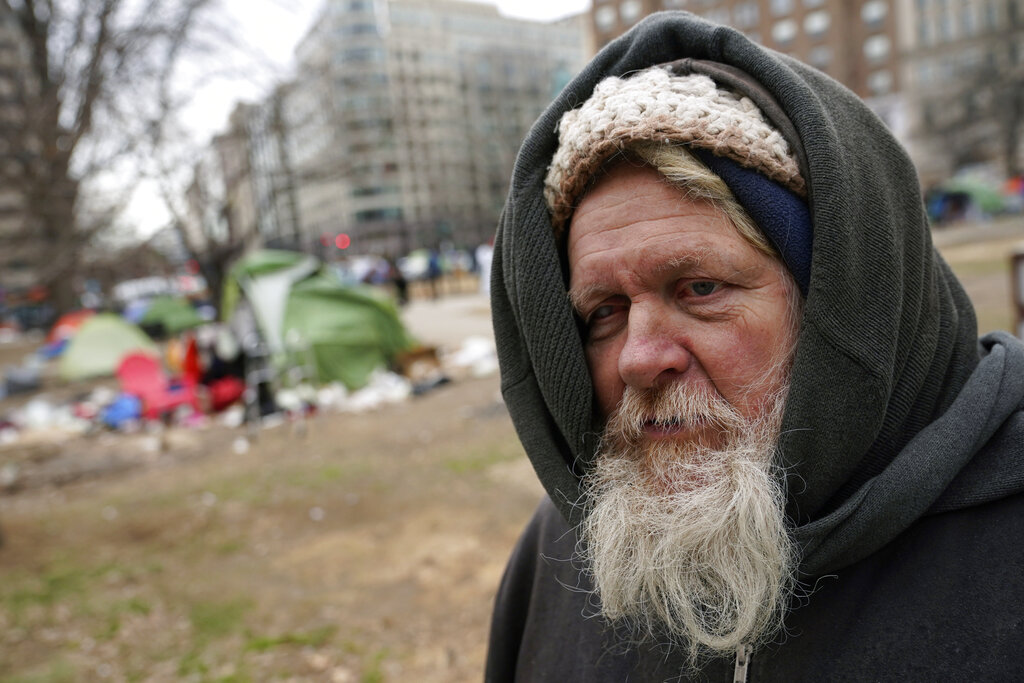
x,y
92,90
211,219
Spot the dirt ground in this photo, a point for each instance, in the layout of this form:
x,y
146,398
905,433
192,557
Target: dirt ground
x,y
366,549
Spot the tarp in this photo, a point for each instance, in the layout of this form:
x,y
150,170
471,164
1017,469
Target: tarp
x,y
174,314
98,346
300,308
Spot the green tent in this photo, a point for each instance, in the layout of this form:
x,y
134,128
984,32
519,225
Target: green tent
x,y
99,345
349,331
174,314
986,196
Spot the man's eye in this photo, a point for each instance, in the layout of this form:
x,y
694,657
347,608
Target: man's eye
x,y
703,287
606,316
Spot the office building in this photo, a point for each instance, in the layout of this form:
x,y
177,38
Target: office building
x,y
405,117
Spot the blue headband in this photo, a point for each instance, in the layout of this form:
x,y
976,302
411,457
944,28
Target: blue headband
x,y
781,215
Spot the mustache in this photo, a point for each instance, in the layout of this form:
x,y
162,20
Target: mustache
x,y
672,405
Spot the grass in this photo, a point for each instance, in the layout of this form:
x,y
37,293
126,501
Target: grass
x,y
984,270
211,620
63,582
373,673
58,671
483,458
117,612
314,638
981,267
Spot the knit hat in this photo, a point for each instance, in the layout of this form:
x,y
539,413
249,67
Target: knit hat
x,y
725,130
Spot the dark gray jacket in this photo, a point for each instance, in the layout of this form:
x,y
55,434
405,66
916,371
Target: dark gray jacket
x,y
903,436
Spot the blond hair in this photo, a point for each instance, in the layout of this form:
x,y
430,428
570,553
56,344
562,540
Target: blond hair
x,y
684,171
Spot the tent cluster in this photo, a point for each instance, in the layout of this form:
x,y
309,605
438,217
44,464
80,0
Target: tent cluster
x,y
287,325
974,197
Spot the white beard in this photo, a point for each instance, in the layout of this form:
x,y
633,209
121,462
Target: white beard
x,y
686,541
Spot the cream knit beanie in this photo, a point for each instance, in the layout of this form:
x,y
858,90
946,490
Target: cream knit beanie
x,y
655,104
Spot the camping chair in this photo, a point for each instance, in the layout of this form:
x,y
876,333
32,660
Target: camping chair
x,y
141,375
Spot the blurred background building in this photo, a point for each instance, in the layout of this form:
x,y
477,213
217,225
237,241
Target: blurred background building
x,y
854,41
947,76
400,126
22,252
963,66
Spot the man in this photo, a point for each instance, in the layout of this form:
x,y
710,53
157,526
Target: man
x,y
773,448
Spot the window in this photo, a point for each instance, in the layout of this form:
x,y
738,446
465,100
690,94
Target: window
x,y
873,12
605,18
630,11
385,214
746,14
945,27
781,7
876,48
968,20
991,18
784,31
817,23
880,82
924,73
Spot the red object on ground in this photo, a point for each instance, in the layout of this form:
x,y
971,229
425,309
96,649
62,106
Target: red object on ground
x,y
141,375
68,324
224,392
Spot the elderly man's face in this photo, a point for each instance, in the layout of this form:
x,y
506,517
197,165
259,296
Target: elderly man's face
x,y
689,336
671,292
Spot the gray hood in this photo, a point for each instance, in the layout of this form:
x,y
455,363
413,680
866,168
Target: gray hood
x,y
894,406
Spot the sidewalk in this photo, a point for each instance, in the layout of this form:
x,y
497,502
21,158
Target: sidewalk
x,y
446,322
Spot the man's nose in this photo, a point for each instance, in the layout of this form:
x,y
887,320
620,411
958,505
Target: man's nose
x,y
655,351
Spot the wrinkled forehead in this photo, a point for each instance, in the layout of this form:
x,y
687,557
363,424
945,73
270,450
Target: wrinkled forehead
x,y
724,130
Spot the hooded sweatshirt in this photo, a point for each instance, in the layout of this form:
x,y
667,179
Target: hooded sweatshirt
x,y
898,420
